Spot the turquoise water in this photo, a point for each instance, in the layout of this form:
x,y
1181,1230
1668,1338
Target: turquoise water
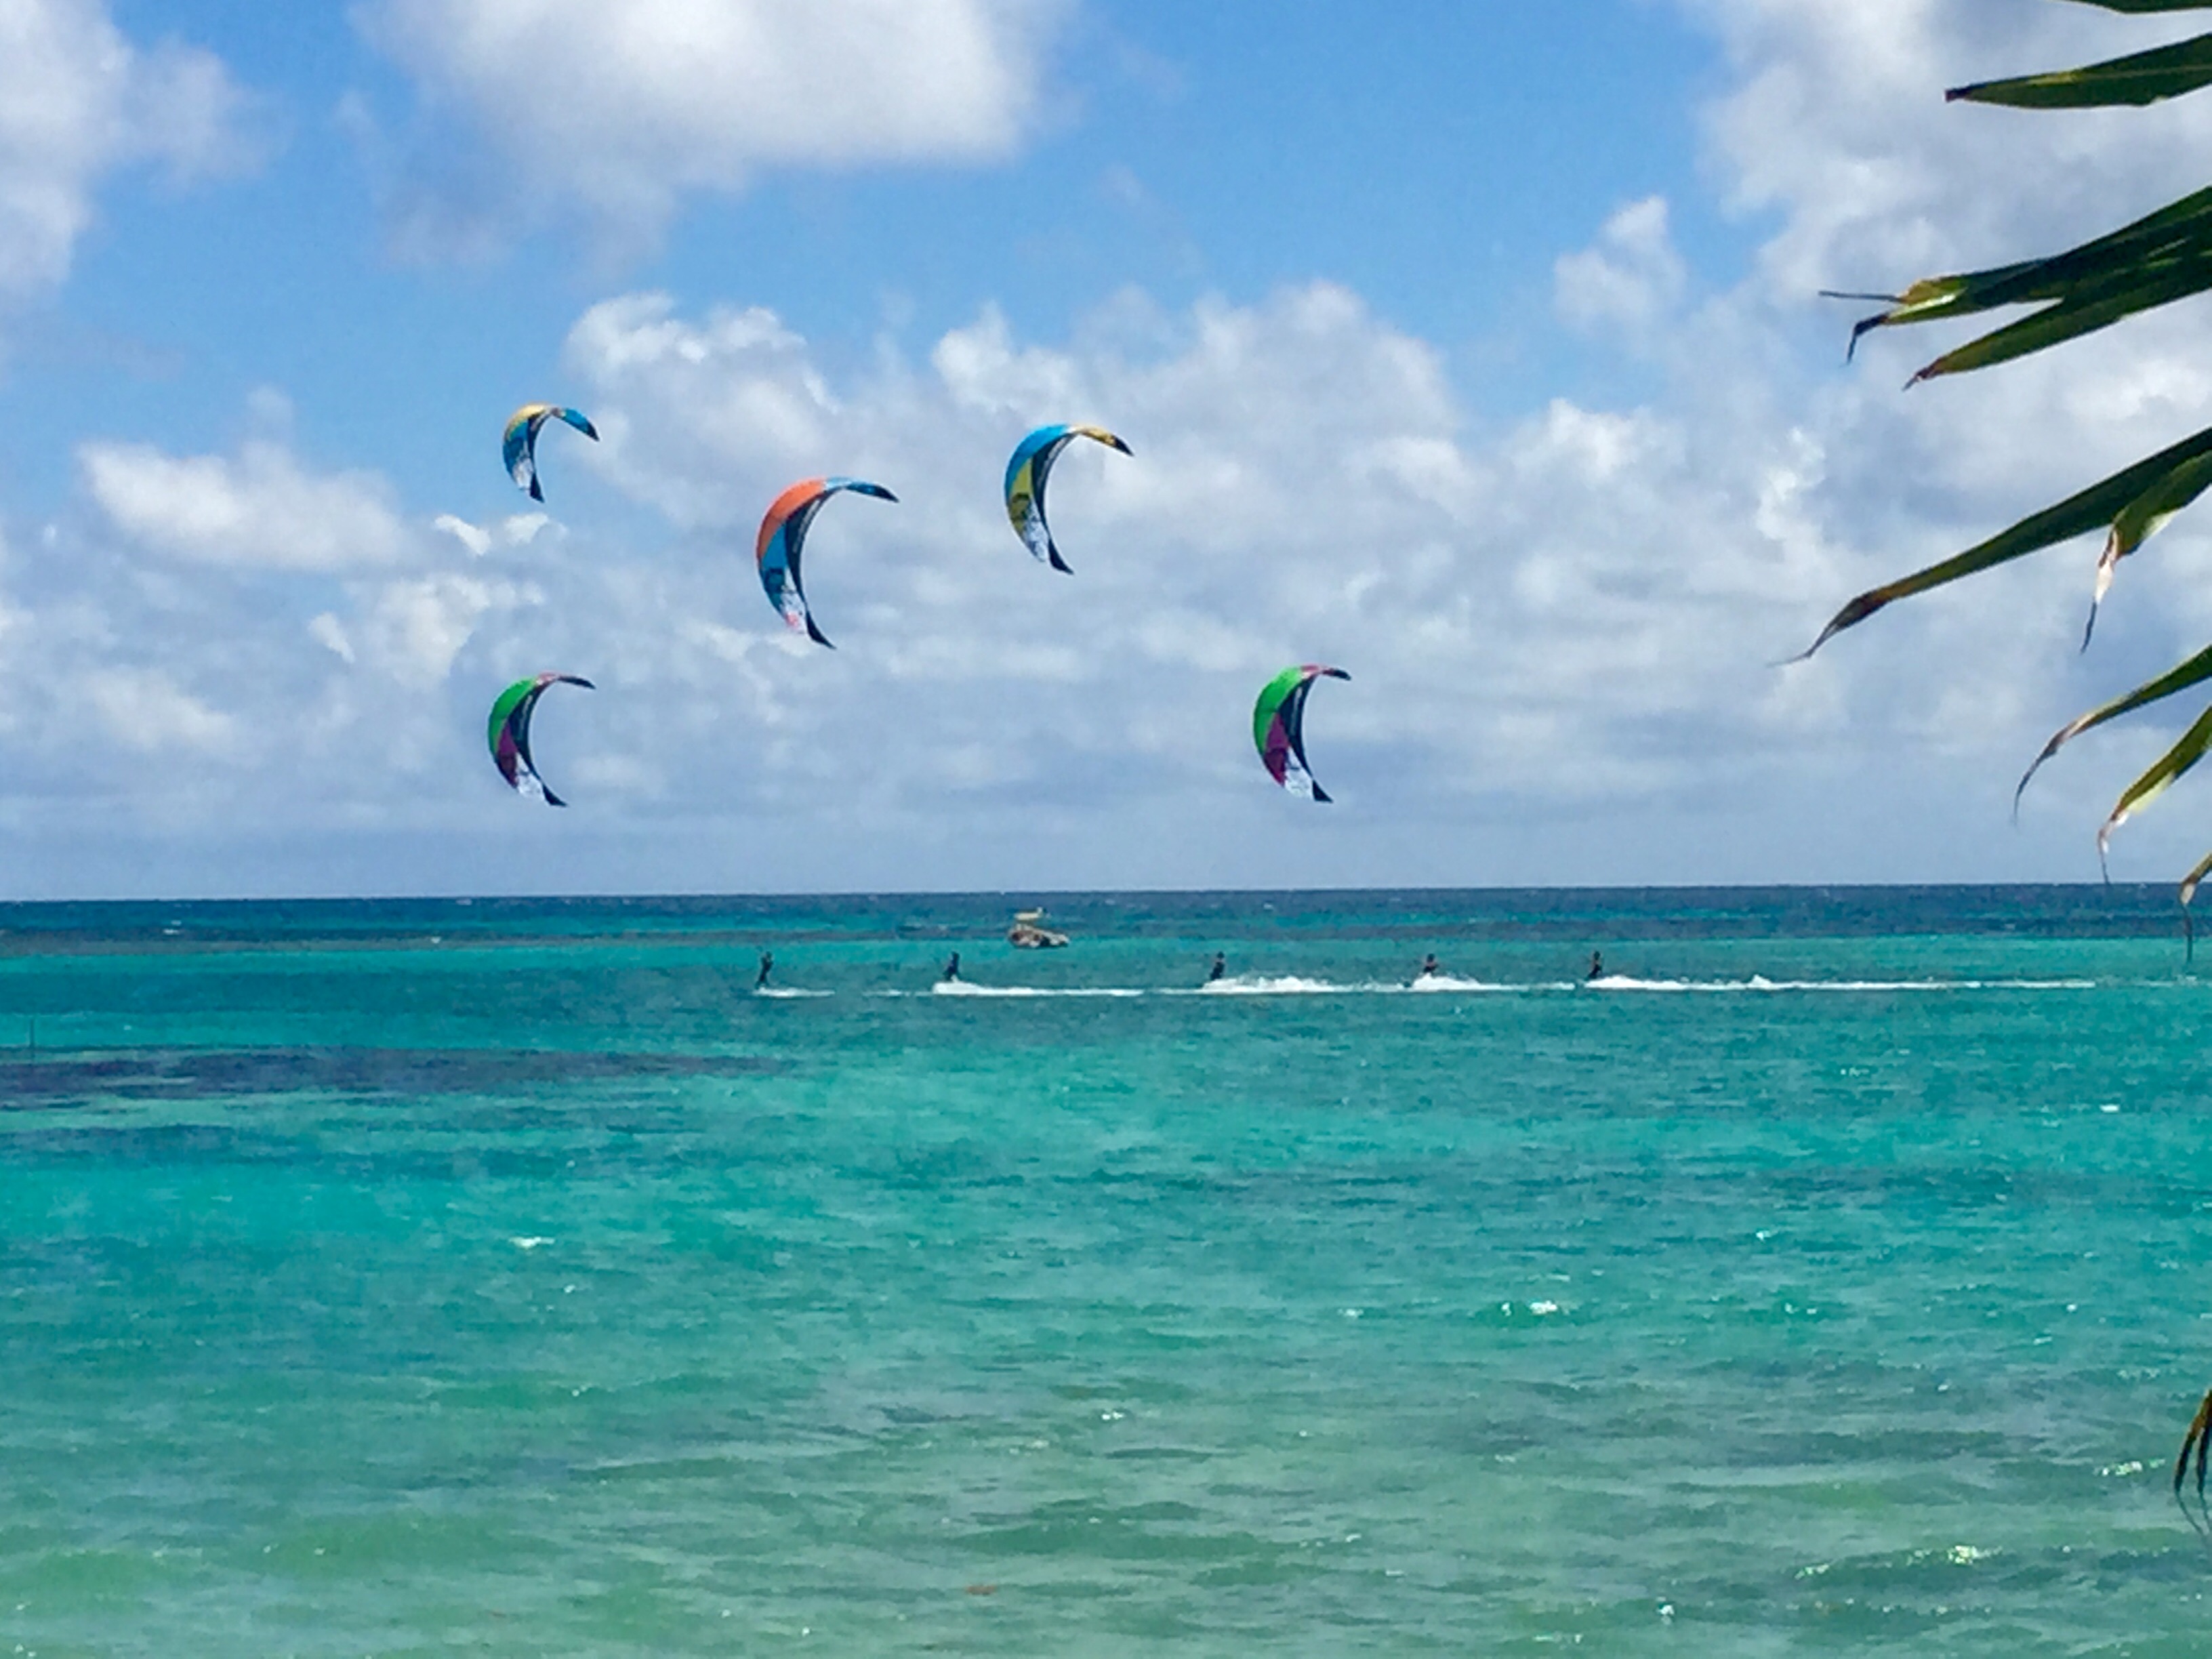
x,y
505,1278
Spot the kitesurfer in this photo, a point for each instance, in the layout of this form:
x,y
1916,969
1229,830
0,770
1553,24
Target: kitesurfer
x,y
767,967
1429,969
952,970
1597,966
1219,969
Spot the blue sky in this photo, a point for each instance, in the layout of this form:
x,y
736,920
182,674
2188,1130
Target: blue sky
x,y
1246,148
1476,347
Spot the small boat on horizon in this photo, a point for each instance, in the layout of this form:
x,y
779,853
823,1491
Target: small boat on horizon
x,y
1029,932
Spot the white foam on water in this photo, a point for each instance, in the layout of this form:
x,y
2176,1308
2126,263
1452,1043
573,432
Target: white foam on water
x,y
1759,983
961,987
1284,984
779,993
1261,985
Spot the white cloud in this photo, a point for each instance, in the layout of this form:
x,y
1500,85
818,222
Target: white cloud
x,y
1301,489
260,510
1561,626
78,100
1836,132
624,110
1568,623
517,529
1837,123
1631,279
145,710
415,630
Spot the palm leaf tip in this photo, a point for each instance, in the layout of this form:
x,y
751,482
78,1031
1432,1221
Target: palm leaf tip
x,y
1850,616
2189,886
2057,741
2108,564
2194,880
2159,775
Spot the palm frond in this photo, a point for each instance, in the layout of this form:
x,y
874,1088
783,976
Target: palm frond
x,y
2103,504
2143,77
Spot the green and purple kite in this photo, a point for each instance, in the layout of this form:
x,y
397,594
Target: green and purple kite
x,y
508,734
1278,727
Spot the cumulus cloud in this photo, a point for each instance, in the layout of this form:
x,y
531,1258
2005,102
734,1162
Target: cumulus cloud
x,y
1631,279
143,709
261,509
1562,626
1834,133
1837,125
1520,615
78,99
1569,621
623,111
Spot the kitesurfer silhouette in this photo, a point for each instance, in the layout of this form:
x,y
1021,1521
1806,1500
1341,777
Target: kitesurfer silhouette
x,y
767,967
952,969
1220,967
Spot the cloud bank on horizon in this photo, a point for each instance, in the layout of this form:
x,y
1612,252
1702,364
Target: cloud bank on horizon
x,y
251,665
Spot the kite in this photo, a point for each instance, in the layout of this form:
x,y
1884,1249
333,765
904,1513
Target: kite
x,y
1026,480
783,534
1278,727
520,447
508,734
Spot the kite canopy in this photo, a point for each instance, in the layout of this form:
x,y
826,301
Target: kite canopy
x,y
1025,479
519,448
783,537
1278,727
508,734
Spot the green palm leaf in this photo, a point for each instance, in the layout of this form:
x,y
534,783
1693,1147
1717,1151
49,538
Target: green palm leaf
x,y
2102,504
2155,261
2141,519
2159,777
2143,77
2088,306
2195,672
2144,7
2164,257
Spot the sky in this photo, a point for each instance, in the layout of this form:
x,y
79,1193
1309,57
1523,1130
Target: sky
x,y
1479,350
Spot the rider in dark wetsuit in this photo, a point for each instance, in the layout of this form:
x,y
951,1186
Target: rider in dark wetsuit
x,y
1597,966
1219,969
768,967
952,970
1429,969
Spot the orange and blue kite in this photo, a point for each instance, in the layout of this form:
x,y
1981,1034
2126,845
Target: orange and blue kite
x,y
782,537
1025,479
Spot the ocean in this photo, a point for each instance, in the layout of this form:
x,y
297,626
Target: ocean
x,y
508,1278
